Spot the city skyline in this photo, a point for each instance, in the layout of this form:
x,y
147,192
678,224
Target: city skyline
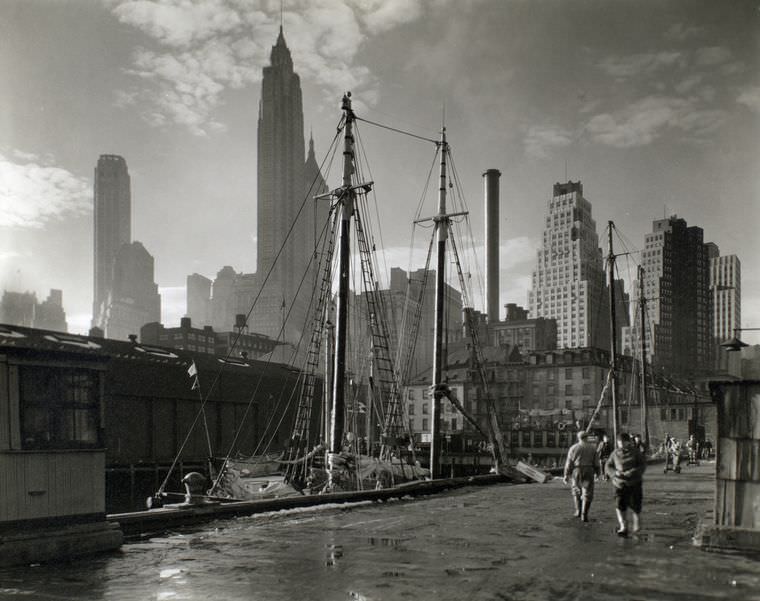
x,y
654,107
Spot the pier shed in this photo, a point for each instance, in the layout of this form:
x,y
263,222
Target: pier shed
x,y
52,457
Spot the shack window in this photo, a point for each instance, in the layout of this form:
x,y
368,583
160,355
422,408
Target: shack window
x,y
59,408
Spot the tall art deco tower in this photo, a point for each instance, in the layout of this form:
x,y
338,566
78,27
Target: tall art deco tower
x,y
284,181
281,160
568,283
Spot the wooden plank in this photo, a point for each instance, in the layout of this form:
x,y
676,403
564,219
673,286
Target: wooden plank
x,y
531,472
5,417
747,499
13,407
754,409
746,455
726,462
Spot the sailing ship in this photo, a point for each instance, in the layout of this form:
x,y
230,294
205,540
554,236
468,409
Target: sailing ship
x,y
331,457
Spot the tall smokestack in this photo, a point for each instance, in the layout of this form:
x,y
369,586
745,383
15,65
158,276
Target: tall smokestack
x,y
491,184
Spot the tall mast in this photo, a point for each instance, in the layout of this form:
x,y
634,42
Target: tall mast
x,y
346,197
442,234
643,335
613,334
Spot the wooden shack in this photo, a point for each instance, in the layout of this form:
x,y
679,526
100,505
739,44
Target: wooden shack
x,y
736,521
52,458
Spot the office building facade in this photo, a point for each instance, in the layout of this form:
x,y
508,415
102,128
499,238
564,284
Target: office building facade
x,y
568,282
112,224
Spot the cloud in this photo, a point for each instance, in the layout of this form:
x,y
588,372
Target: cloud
x,y
31,193
541,139
180,23
383,15
206,47
714,55
750,97
689,83
7,255
641,122
624,67
679,32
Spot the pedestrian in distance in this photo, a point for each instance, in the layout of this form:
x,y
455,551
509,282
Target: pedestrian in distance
x,y
640,444
603,452
582,467
626,468
692,446
675,454
667,452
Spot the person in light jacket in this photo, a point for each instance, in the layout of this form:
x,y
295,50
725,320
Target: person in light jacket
x,y
626,468
582,466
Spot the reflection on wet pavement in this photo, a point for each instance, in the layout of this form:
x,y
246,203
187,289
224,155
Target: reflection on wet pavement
x,y
498,542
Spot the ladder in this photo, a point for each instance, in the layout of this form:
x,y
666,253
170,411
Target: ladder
x,y
386,382
299,441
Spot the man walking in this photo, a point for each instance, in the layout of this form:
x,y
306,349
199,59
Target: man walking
x,y
582,466
626,467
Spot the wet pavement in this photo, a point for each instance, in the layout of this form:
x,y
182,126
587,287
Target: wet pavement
x,y
494,543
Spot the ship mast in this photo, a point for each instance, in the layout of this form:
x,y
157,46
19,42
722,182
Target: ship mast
x,y
345,198
442,234
643,335
613,335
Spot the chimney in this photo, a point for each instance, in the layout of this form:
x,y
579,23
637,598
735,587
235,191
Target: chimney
x,y
491,185
185,323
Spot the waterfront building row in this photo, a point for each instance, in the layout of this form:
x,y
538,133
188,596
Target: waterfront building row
x,y
542,396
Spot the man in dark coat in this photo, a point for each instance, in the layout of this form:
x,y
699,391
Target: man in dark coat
x,y
626,467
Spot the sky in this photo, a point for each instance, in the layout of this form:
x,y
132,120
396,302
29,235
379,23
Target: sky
x,y
653,104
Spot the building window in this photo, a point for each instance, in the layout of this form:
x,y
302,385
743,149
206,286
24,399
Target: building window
x,y
425,427
411,408
568,389
586,373
425,409
59,408
453,423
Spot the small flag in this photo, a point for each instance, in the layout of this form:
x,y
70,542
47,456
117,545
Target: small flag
x,y
192,371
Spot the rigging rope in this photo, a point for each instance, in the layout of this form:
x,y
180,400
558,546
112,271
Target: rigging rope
x,y
399,131
250,311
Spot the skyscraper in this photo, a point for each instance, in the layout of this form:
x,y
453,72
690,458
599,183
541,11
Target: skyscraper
x,y
112,214
677,288
284,182
280,164
726,292
199,299
133,300
285,277
568,282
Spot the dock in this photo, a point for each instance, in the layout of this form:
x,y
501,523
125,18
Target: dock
x,y
140,524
